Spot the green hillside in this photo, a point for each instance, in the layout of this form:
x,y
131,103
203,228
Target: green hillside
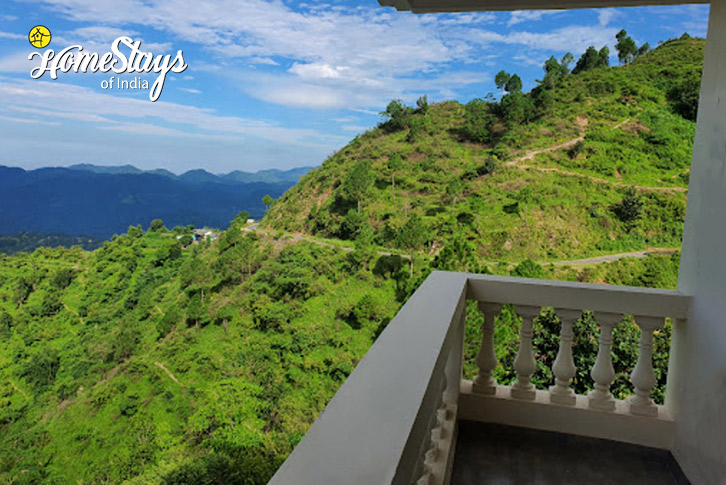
x,y
138,359
155,360
465,169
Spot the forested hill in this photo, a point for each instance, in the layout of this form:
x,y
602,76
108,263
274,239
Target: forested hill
x,y
550,174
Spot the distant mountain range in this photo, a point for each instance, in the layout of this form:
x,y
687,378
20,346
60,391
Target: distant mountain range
x,y
271,176
96,201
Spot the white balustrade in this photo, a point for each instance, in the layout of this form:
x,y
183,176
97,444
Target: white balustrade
x,y
524,363
403,399
602,372
486,358
564,366
643,375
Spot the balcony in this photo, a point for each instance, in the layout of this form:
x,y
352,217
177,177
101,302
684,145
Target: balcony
x,y
397,417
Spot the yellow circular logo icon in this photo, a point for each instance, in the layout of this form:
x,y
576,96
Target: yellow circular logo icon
x,y
39,36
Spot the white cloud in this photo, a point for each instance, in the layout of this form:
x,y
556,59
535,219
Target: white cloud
x,y
606,15
9,18
469,18
264,60
28,121
10,35
519,16
356,128
55,100
315,71
16,62
191,90
573,38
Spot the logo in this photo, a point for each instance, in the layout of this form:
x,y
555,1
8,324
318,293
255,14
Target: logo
x,y
125,57
39,36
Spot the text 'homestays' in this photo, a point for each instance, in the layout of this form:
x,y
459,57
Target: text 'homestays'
x,y
75,58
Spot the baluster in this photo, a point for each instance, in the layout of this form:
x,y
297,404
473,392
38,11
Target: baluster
x,y
602,372
524,363
564,366
486,358
643,376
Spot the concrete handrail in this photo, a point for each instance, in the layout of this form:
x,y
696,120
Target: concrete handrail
x,y
372,430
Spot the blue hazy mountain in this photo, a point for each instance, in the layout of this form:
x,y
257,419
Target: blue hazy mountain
x,y
99,201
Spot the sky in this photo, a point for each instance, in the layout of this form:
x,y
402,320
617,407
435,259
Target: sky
x,y
271,84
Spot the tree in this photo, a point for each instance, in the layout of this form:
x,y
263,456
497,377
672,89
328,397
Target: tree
x,y
364,250
478,119
241,218
412,236
157,225
195,275
685,95
626,47
477,205
454,190
514,85
395,162
501,80
603,57
643,49
398,116
6,322
358,182
268,201
529,269
22,288
524,197
589,60
629,209
195,310
458,255
565,63
554,71
422,104
516,108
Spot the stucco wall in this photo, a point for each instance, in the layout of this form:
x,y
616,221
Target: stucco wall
x,y
700,358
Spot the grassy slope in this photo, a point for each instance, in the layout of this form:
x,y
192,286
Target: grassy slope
x,y
632,138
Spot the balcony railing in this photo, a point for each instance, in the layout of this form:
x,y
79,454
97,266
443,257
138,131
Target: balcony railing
x,y
394,419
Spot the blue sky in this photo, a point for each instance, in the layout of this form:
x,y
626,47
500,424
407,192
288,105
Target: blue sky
x,y
272,84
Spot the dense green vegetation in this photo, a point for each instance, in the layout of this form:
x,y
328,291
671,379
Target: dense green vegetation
x,y
141,358
155,359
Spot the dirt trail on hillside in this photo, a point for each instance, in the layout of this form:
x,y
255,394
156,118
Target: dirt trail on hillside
x,y
299,237
582,123
168,372
534,153
602,180
614,257
571,262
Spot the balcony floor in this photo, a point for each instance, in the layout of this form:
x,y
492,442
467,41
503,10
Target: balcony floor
x,y
504,455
